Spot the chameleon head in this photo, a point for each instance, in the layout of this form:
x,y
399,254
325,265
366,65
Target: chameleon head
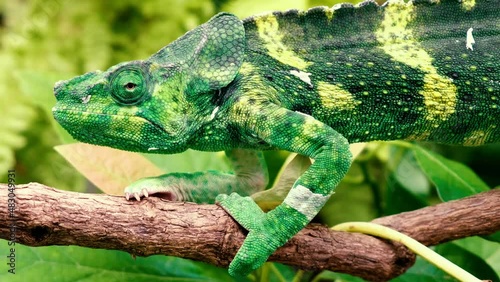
x,y
129,107
147,106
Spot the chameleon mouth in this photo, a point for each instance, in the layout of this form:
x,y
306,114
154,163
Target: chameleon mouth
x,y
132,133
61,113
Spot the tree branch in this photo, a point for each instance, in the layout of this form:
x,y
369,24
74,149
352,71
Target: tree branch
x,y
45,216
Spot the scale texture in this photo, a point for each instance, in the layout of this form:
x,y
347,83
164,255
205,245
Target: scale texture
x,y
309,82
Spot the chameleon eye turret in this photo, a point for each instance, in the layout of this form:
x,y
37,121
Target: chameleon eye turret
x,y
130,85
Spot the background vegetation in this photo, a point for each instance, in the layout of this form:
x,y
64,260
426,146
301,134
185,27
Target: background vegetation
x,y
46,41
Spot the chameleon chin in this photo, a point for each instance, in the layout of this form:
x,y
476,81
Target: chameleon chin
x,y
309,82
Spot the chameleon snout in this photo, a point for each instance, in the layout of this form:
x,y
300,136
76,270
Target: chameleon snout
x,y
58,86
81,86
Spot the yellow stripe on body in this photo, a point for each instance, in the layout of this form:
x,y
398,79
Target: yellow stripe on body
x,y
269,32
334,97
468,4
246,68
244,110
397,40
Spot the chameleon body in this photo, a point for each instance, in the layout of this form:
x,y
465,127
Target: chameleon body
x,y
309,82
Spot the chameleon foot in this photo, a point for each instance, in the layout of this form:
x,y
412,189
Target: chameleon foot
x,y
137,195
261,240
146,187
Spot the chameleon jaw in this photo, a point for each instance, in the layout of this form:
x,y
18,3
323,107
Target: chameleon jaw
x,y
94,128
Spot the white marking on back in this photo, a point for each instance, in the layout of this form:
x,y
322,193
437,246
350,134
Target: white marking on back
x,y
214,112
152,149
86,99
470,39
304,76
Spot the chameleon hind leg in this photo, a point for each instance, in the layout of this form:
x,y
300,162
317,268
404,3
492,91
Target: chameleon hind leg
x,y
298,133
250,176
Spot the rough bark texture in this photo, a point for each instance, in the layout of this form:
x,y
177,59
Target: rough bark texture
x,y
46,216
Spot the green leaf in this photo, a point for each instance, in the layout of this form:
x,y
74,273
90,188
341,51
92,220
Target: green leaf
x,y
411,177
244,8
486,250
37,86
400,199
274,272
495,237
423,271
468,260
407,187
453,180
71,263
351,202
336,277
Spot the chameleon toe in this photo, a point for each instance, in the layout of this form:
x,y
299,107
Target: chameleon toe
x,y
137,197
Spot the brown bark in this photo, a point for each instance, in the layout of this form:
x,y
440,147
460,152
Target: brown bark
x,y
46,216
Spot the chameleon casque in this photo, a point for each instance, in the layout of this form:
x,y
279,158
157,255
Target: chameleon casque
x,y
309,82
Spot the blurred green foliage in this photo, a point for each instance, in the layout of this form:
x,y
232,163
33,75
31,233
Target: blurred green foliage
x,y
46,41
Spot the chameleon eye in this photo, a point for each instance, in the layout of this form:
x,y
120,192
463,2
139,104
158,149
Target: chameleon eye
x,y
129,85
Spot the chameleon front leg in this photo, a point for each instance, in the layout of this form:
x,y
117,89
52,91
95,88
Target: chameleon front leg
x,y
250,176
298,133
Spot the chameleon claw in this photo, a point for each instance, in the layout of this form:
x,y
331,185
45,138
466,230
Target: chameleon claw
x,y
145,193
137,197
127,196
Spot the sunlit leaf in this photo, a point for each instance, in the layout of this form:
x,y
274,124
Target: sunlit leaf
x,y
407,186
294,166
453,180
111,170
190,161
486,250
244,8
468,260
411,177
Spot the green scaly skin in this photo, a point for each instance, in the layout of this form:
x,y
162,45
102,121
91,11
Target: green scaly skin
x,y
307,82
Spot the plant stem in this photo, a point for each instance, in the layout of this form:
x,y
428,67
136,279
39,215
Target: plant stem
x,y
412,244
